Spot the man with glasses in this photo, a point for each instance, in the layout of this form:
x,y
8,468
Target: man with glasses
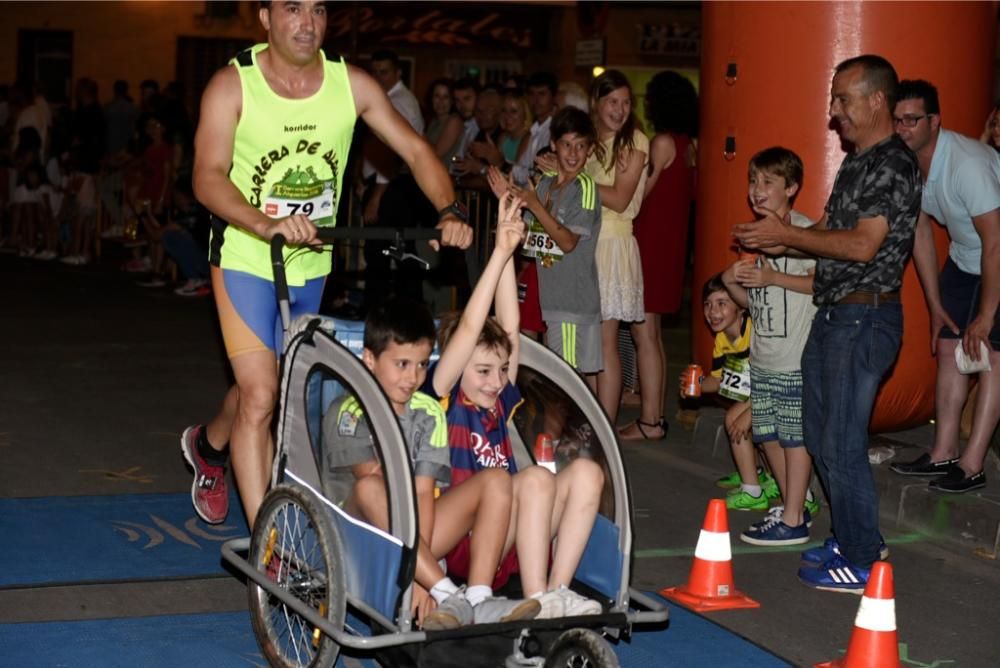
x,y
862,243
962,192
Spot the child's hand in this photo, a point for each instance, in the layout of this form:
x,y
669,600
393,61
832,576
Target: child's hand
x,y
739,427
764,234
510,225
751,276
528,195
422,603
499,184
683,384
547,163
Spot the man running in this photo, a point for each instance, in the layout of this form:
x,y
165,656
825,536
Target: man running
x,y
272,142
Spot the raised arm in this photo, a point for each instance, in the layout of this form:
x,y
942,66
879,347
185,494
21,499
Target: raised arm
x,y
508,311
458,352
374,108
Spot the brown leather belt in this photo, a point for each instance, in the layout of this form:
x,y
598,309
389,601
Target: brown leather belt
x,y
869,298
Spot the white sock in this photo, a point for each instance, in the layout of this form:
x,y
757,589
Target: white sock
x,y
476,593
443,589
809,495
752,490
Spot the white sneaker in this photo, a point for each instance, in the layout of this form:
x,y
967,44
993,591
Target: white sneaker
x,y
575,604
113,231
498,610
553,605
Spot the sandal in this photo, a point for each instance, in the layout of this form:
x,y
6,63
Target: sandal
x,y
642,427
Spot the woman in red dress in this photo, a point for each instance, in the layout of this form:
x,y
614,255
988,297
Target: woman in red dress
x,y
661,230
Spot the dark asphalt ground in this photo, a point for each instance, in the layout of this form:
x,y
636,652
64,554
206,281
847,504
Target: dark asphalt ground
x,y
98,375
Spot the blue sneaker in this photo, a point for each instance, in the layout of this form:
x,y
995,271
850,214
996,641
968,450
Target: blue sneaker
x,y
817,556
775,532
778,512
837,575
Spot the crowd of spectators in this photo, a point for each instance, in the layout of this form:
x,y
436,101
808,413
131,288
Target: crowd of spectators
x,y
82,176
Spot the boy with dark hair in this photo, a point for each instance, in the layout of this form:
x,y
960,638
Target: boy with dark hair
x,y
399,337
778,292
730,378
564,223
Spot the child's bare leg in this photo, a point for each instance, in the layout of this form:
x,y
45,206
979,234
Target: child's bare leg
x,y
534,496
609,380
368,500
798,467
578,495
775,455
481,505
743,451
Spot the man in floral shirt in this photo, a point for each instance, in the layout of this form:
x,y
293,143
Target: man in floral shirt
x,y
862,244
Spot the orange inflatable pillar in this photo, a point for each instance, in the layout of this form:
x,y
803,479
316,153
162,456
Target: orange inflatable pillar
x,y
765,79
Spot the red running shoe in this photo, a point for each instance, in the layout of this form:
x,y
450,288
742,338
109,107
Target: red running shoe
x,y
208,491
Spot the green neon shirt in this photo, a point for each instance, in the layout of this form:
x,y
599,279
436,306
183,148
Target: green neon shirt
x,y
288,157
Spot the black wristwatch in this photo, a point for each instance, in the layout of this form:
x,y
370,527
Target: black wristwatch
x,y
456,209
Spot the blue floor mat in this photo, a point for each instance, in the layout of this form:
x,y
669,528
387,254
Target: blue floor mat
x,y
691,640
78,539
225,640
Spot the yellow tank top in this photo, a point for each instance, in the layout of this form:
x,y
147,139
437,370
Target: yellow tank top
x,y
288,157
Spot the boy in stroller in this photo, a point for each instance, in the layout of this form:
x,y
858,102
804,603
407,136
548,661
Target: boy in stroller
x,y
398,340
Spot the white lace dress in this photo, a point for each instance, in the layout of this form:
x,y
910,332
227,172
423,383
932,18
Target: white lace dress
x,y
619,271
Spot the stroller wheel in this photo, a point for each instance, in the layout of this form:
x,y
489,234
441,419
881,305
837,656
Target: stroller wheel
x,y
581,648
294,543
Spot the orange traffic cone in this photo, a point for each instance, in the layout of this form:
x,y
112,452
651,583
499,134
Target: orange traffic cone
x,y
873,641
710,585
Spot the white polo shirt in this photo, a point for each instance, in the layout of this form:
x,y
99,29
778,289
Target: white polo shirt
x,y
964,182
405,102
539,138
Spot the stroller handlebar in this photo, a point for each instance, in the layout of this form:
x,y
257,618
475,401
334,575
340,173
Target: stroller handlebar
x,y
330,234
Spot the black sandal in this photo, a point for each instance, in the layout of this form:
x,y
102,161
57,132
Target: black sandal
x,y
639,424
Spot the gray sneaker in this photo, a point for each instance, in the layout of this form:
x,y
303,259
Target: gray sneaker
x,y
497,609
451,613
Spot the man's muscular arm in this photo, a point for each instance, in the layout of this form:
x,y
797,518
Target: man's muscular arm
x,y
374,108
221,106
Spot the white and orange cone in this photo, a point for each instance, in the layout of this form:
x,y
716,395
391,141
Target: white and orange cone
x,y
710,585
873,642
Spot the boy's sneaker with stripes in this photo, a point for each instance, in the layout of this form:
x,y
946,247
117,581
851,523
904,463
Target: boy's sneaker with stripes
x,y
816,556
838,575
208,491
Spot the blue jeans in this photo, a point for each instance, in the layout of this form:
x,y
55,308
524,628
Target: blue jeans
x,y
191,258
849,350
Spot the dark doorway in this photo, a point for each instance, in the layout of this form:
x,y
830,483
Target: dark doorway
x,y
197,60
45,59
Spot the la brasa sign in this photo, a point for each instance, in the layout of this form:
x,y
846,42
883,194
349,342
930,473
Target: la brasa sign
x,y
452,25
